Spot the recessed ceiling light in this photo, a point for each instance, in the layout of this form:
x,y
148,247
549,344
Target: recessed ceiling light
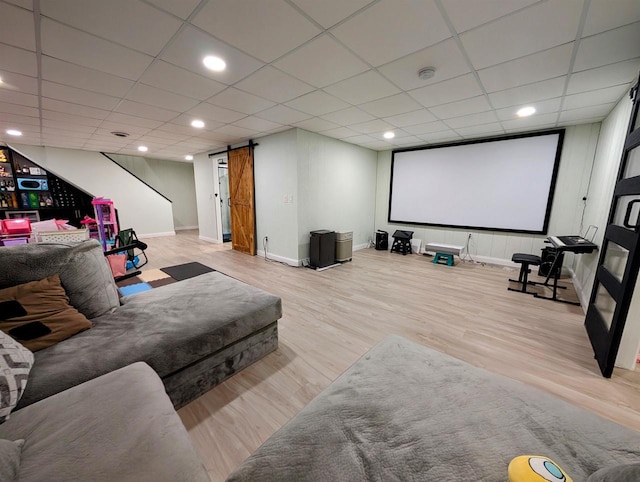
x,y
0,80
427,73
197,123
14,132
214,63
143,148
389,135
526,111
189,157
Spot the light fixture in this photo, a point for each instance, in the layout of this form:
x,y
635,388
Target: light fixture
x,y
526,111
189,157
143,148
389,135
427,73
214,63
14,132
197,123
0,80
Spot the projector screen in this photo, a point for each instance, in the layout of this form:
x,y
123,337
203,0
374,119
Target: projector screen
x,y
503,184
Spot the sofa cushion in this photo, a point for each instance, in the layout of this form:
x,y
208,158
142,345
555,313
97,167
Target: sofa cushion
x,y
15,364
121,426
618,473
46,306
169,328
10,459
82,268
406,412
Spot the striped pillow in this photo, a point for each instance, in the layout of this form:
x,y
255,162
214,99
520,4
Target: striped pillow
x,y
15,363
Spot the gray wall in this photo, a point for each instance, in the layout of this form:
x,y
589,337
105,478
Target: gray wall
x,y
206,183
174,180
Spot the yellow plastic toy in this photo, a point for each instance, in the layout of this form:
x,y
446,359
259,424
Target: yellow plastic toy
x,y
535,468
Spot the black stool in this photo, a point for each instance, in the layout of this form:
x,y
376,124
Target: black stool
x,y
525,260
402,242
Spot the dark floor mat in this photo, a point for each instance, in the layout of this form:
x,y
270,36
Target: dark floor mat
x,y
187,270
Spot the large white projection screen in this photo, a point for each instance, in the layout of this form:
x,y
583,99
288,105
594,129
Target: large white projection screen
x,y
504,184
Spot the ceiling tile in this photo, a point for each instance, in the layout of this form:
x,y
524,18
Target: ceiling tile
x,y
540,27
378,145
132,23
28,4
408,141
166,76
598,111
274,85
81,48
161,98
595,97
182,129
144,110
485,129
17,27
240,101
118,127
459,88
393,105
602,77
376,125
78,96
19,82
317,103
17,119
132,120
340,133
267,30
427,128
210,124
546,89
181,9
445,57
256,124
359,139
541,66
392,28
461,107
18,60
542,107
465,15
602,16
283,115
9,108
236,131
74,109
363,88
213,112
411,118
608,47
329,12
321,62
17,97
168,135
316,124
472,120
83,78
70,118
534,121
68,126
52,132
352,115
190,46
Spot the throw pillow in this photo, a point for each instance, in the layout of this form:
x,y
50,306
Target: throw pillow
x,y
10,459
618,473
38,314
15,364
535,468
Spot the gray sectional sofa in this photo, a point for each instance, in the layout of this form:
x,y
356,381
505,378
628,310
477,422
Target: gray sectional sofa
x,y
194,333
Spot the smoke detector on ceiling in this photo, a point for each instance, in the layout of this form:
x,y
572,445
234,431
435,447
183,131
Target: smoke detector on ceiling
x,y
427,73
120,134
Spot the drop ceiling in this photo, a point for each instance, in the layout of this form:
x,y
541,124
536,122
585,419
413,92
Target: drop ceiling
x,y
74,71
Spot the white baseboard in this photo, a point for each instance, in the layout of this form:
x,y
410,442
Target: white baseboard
x,y
282,259
209,240
157,235
496,261
358,247
584,303
186,228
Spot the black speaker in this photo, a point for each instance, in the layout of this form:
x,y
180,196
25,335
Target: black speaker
x,y
546,262
382,240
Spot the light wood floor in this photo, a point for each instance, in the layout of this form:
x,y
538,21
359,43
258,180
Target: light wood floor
x,y
333,317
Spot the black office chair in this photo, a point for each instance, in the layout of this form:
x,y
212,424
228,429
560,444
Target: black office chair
x,y
525,260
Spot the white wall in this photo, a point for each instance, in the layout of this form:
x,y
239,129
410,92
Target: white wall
x,y
492,246
173,179
205,172
337,188
275,174
139,206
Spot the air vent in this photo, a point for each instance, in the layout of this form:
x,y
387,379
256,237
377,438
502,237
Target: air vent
x,y
120,134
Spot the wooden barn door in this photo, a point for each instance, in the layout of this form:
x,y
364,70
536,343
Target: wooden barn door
x,y
241,200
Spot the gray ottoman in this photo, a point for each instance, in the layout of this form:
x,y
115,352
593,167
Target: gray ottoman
x,y
404,412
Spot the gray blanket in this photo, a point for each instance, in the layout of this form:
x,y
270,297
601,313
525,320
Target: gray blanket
x,y
404,412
